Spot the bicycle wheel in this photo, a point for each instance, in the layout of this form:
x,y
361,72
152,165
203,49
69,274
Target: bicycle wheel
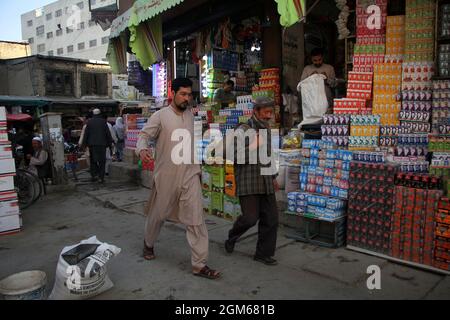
x,y
25,189
37,183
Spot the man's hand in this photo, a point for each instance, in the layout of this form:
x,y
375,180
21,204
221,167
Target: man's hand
x,y
276,185
28,156
145,155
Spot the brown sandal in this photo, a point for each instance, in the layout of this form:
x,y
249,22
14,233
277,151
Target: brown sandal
x,y
148,253
208,273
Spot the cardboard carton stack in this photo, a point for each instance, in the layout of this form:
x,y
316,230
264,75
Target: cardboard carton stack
x,y
10,219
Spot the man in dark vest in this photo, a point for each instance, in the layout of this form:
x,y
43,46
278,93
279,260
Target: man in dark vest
x,y
97,137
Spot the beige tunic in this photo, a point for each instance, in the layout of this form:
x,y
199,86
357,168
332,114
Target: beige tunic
x,y
176,191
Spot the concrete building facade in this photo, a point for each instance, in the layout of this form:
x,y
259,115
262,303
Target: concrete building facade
x,y
55,77
12,50
64,28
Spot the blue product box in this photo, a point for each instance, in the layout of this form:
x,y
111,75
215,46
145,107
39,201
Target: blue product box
x,y
292,202
327,181
346,166
312,170
342,193
292,195
329,163
345,175
303,186
302,196
320,171
319,189
303,177
292,209
314,162
331,154
301,203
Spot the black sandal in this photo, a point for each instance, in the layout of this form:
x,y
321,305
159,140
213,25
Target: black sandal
x,y
208,273
148,253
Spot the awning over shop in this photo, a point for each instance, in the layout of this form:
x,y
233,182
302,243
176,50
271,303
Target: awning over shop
x,y
120,23
117,54
24,101
145,9
291,11
19,117
146,40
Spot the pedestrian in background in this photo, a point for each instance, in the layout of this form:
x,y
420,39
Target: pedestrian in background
x,y
98,138
119,129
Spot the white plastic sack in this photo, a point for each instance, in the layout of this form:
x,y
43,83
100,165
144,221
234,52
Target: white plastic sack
x,y
314,98
88,277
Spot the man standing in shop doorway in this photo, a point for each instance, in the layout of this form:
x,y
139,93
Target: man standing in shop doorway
x,y
176,191
225,95
327,70
256,190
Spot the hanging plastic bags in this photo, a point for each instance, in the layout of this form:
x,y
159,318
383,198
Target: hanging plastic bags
x,y
314,98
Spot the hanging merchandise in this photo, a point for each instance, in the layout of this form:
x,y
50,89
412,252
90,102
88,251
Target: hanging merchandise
x,y
291,11
159,79
314,100
341,23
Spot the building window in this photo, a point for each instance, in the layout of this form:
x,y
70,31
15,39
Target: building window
x,y
70,49
48,16
58,83
94,84
31,40
80,26
105,40
40,30
58,13
92,43
91,23
49,35
50,53
41,48
58,32
69,30
81,46
80,5
60,51
30,23
93,2
38,12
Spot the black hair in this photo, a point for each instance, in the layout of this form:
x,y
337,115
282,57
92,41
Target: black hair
x,y
229,82
317,52
181,82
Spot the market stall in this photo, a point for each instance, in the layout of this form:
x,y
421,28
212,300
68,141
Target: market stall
x,y
382,162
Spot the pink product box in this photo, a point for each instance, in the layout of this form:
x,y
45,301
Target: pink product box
x,y
420,116
416,105
335,130
359,94
416,95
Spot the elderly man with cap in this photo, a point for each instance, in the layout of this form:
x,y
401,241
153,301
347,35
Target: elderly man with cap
x,y
256,185
39,164
97,137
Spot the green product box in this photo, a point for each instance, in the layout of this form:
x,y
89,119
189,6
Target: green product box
x,y
218,178
217,201
207,201
206,178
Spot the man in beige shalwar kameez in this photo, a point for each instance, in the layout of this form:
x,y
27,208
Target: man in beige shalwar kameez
x,y
176,192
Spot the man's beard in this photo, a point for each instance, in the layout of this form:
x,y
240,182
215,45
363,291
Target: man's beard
x,y
182,107
318,65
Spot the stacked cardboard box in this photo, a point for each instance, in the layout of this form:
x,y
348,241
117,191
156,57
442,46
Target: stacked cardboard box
x,y
442,236
419,35
413,225
395,39
10,219
371,195
387,83
364,132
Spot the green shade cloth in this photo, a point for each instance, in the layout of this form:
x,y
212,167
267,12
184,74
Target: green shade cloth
x,y
117,54
147,9
291,11
24,101
146,40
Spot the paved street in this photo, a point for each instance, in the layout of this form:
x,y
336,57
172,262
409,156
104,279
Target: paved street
x,y
113,213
